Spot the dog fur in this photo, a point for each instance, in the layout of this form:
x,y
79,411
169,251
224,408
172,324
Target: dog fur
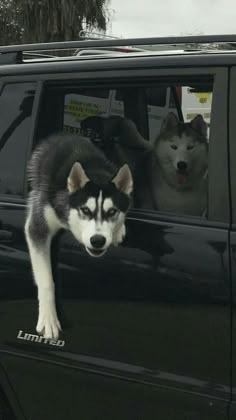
x,y
176,169
74,187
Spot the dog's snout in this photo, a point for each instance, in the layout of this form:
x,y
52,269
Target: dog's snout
x,y
182,166
97,241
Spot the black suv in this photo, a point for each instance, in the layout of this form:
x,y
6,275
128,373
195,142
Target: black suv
x,y
149,329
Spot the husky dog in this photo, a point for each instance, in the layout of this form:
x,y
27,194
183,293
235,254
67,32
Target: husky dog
x,y
74,187
179,167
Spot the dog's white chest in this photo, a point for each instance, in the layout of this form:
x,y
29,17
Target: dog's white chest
x,y
192,202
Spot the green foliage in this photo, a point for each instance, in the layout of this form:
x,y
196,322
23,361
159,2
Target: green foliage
x,y
10,23
49,20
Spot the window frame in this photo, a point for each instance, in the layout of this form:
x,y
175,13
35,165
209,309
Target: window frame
x,y
218,209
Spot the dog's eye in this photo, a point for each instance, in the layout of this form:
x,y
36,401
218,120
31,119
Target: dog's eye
x,y
174,147
190,147
86,211
111,212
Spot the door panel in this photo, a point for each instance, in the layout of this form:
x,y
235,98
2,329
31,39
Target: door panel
x,y
157,303
146,325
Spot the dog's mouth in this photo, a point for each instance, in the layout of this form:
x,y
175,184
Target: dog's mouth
x,y
181,177
95,252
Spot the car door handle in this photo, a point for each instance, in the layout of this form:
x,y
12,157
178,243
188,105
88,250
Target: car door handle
x,y
6,236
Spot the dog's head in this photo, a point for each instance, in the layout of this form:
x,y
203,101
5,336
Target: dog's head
x,y
181,150
97,212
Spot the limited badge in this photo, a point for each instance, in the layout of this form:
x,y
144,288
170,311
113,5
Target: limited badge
x,y
39,339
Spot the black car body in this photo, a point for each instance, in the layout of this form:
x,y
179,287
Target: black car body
x,y
148,330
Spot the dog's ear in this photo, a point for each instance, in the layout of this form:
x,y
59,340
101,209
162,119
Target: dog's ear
x,y
123,180
77,178
198,124
170,122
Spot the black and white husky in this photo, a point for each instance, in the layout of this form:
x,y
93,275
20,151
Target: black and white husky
x,y
74,187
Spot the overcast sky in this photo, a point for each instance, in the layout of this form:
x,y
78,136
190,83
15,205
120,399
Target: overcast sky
x,y
134,18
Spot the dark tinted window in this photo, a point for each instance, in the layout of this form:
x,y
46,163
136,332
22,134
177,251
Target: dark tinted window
x,y
119,95
65,108
16,102
156,96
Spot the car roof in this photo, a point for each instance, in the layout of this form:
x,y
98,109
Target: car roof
x,y
186,48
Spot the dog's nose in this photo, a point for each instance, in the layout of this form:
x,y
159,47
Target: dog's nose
x,y
97,241
181,165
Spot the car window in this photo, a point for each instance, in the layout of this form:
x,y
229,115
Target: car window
x,y
197,99
83,104
160,130
16,102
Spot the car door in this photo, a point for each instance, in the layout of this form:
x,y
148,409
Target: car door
x,y
146,329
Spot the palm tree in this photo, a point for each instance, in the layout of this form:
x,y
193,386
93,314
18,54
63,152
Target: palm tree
x,y
10,28
60,20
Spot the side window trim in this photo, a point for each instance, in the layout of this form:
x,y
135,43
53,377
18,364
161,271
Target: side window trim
x,y
34,118
218,190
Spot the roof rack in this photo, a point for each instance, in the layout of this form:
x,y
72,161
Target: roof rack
x,y
89,35
14,53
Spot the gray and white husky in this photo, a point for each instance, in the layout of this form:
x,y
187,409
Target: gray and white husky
x,y
179,167
74,187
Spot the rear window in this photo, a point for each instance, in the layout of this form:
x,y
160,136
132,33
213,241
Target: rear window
x,y
16,103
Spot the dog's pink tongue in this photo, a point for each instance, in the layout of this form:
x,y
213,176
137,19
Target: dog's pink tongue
x,y
181,179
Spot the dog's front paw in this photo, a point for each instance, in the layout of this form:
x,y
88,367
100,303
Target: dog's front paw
x,y
119,235
48,324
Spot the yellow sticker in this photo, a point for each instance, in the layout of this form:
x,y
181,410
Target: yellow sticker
x,y
203,97
81,110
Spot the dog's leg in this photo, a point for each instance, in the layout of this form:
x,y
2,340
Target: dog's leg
x,y
40,255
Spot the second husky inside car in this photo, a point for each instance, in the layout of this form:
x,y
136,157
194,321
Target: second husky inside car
x,y
178,174
74,187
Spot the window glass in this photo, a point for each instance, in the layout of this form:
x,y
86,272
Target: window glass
x,y
16,102
161,131
87,103
197,99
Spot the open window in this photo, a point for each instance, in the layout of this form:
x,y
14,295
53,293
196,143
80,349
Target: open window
x,y
161,129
